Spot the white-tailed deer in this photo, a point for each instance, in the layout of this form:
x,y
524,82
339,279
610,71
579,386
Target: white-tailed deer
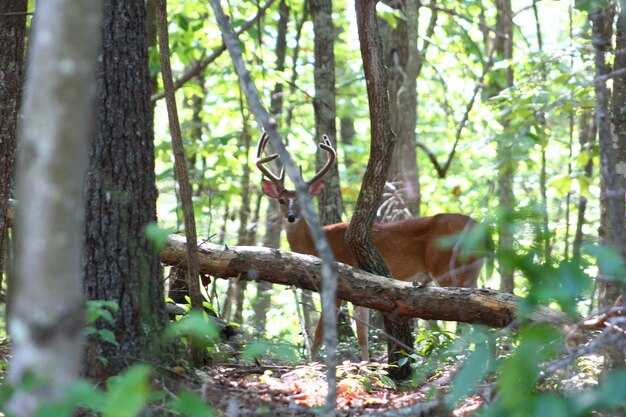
x,y
412,249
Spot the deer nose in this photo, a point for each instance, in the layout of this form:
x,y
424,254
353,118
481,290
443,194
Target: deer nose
x,y
291,217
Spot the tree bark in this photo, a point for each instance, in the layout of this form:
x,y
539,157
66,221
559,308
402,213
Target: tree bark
x,y
612,140
12,33
120,263
354,285
402,58
587,135
180,166
503,45
47,314
359,234
273,221
330,205
478,306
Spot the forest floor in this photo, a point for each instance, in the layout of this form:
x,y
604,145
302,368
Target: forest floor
x,y
301,390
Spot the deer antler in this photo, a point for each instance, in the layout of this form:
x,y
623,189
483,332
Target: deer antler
x,y
332,156
260,163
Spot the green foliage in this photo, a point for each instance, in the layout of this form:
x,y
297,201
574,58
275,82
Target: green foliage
x,y
478,364
368,374
128,393
101,310
199,327
590,6
157,235
190,405
283,351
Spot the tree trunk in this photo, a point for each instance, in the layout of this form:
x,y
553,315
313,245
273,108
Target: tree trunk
x,y
47,314
273,221
120,263
12,32
502,79
612,157
402,58
587,137
330,206
359,234
330,203
306,205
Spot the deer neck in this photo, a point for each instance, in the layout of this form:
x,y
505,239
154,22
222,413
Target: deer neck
x,y
299,237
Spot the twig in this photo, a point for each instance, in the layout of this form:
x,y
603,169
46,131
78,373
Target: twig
x,y
442,171
329,268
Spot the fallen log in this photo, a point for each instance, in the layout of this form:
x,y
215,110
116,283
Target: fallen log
x,y
477,306
468,305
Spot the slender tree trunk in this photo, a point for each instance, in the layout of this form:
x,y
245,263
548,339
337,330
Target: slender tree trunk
x,y
12,33
587,137
347,134
402,59
121,264
612,155
330,207
330,202
359,234
273,221
180,166
504,50
243,237
47,316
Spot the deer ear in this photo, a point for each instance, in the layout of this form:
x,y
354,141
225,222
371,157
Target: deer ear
x,y
316,188
269,188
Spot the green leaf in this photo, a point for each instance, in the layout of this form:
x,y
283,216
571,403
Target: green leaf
x,y
471,373
85,394
561,183
156,235
101,309
128,393
590,6
108,336
610,261
389,14
257,348
196,325
584,182
550,405
188,404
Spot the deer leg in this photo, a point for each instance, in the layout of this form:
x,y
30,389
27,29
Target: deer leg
x,y
362,319
319,334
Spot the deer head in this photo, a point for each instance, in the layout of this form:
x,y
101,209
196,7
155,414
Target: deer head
x,y
274,186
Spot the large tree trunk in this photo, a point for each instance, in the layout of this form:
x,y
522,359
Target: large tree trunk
x,y
47,315
120,262
12,31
